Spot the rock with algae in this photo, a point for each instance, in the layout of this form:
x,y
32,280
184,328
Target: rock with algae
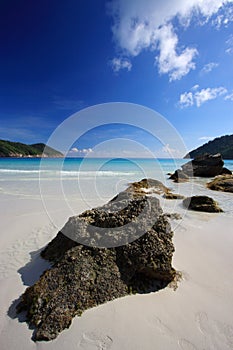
x,y
221,183
202,203
138,258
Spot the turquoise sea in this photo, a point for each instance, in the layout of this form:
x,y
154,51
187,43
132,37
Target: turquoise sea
x,y
81,183
72,166
132,169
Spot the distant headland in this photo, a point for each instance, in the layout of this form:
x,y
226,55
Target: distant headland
x,y
21,150
223,145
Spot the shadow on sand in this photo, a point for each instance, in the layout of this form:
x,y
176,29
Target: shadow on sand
x,y
30,273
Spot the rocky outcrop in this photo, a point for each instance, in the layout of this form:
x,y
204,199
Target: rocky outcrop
x,y
147,186
151,186
222,183
202,203
203,166
105,253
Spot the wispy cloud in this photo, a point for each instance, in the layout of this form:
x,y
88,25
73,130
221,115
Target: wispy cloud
x,y
148,25
195,87
199,97
208,94
224,17
229,45
120,63
229,97
209,67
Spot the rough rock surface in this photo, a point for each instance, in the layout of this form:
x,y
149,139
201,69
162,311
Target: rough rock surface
x,y
151,186
203,166
171,195
222,183
84,276
202,203
147,186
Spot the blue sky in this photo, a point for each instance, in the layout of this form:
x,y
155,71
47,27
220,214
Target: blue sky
x,y
58,57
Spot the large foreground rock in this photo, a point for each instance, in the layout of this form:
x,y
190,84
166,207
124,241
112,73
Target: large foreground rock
x,y
222,183
202,203
84,276
206,165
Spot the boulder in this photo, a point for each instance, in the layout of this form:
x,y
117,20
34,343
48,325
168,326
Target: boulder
x,y
202,203
206,165
105,253
222,183
179,176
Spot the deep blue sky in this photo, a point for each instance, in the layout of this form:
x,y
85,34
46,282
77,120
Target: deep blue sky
x,y
58,57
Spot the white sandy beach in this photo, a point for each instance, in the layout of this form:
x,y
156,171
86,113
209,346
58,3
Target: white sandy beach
x,y
197,315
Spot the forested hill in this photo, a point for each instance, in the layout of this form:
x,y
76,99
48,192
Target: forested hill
x,y
223,145
17,149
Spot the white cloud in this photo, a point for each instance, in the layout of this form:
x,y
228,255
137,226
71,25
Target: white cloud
x,y
195,87
188,99
208,94
229,97
209,67
168,60
79,152
224,17
120,63
147,25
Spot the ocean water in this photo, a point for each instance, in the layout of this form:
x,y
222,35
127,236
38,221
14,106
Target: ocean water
x,y
23,168
86,182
